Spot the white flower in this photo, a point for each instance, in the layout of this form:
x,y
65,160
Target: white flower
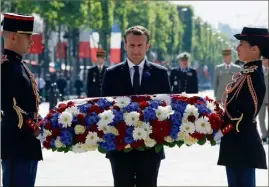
x,y
188,127
114,131
109,99
181,135
210,105
150,142
104,128
58,143
140,134
106,117
90,147
79,148
65,118
91,138
190,110
163,97
202,125
122,101
46,133
131,118
162,113
73,110
127,146
190,140
168,139
147,127
79,129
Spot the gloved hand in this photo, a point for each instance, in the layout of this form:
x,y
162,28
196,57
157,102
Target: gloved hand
x,y
218,136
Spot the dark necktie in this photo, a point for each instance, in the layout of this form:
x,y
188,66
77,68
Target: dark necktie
x,y
136,81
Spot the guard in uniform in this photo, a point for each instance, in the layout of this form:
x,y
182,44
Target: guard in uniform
x,y
183,78
241,149
95,75
223,73
263,127
20,148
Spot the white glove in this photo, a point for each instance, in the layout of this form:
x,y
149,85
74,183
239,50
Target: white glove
x,y
218,136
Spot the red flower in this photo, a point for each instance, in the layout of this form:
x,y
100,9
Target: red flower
x,y
81,138
215,121
48,138
192,100
141,116
81,119
47,125
94,108
143,105
46,144
70,104
197,135
119,142
137,144
140,98
121,127
191,118
49,115
208,99
160,129
61,108
163,104
116,108
209,137
55,132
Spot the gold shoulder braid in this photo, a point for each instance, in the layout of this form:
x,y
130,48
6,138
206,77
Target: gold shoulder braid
x,y
235,86
35,90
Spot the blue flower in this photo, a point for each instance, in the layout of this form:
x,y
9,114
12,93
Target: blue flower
x,y
84,108
202,109
54,121
91,119
173,135
75,119
149,114
178,106
108,137
176,118
66,136
128,139
107,146
155,103
52,144
129,130
118,116
174,129
146,74
103,103
131,107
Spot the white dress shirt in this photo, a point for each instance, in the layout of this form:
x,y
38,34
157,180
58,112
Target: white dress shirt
x,y
132,70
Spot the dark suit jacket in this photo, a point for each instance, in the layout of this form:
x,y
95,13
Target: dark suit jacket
x,y
117,82
184,81
94,81
17,143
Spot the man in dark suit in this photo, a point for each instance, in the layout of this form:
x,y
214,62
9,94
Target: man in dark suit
x,y
132,77
20,149
183,78
95,75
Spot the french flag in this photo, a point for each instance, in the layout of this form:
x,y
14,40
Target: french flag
x,y
115,44
94,41
84,44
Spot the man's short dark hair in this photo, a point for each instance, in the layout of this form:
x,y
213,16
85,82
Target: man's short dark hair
x,y
137,30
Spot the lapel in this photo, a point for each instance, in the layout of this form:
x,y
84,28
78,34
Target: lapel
x,y
146,77
125,78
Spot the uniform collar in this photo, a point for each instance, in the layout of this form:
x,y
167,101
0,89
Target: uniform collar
x,y
253,63
12,54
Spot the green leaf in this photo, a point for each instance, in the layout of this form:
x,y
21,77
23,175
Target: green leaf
x,y
202,141
172,144
140,148
158,147
127,150
54,149
101,150
179,143
213,142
